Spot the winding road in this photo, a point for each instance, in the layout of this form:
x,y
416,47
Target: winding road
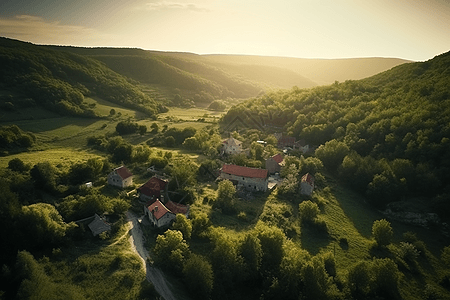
x,y
154,275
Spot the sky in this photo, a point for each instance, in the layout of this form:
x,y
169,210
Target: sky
x,y
416,30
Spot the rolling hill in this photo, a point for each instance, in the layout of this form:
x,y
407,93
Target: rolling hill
x,y
393,129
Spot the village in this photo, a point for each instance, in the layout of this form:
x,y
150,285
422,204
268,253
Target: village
x,y
160,211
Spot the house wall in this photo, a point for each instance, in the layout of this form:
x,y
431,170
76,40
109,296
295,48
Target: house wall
x,y
253,184
272,166
231,150
163,221
116,180
306,188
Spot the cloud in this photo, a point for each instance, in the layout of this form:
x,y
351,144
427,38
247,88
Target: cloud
x,y
164,5
38,30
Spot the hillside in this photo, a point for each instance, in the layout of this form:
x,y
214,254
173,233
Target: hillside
x,y
59,81
387,136
314,71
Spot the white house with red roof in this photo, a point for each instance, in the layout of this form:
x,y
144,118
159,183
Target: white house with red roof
x,y
231,146
274,163
153,189
307,184
161,215
244,177
158,214
120,177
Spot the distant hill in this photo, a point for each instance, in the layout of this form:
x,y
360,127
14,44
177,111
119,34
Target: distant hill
x,y
60,77
59,81
313,71
395,126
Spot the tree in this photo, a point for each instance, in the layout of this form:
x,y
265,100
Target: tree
x,y
200,224
257,150
171,250
123,153
382,232
332,154
16,164
251,251
272,240
142,129
308,211
217,105
112,112
44,224
225,196
154,128
44,176
198,276
359,279
183,225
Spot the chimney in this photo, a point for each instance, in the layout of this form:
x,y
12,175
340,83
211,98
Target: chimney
x,y
156,208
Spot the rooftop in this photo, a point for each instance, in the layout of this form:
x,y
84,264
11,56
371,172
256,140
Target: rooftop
x,y
244,171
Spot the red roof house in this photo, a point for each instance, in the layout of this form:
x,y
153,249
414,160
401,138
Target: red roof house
x,y
121,177
158,214
286,141
152,189
307,184
248,178
178,208
274,163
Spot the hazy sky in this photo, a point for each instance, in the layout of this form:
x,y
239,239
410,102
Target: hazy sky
x,y
409,29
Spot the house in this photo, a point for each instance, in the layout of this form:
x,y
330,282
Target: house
x,y
158,214
286,141
161,215
244,177
153,189
231,146
274,163
120,177
98,225
178,208
302,146
307,184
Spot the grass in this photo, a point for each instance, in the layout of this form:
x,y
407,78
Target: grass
x,y
59,156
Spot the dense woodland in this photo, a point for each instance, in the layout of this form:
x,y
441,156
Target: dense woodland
x,y
379,142
60,81
387,137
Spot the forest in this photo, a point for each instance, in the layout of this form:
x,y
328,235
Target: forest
x,y
386,137
379,144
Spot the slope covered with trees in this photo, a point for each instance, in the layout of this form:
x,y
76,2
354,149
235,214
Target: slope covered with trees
x,y
60,81
387,136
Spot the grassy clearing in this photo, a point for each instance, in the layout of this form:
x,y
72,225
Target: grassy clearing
x,y
61,156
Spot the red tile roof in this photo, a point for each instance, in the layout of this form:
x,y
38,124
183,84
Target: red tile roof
x,y
286,141
244,171
158,209
308,178
177,208
123,172
278,158
153,187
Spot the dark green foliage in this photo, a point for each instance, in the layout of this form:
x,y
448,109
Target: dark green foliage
x,y
44,176
13,137
217,105
272,239
59,80
16,164
183,225
308,211
251,251
382,232
44,225
200,224
225,197
127,127
171,251
198,276
390,131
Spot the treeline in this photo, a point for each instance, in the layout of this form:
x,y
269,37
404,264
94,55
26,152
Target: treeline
x,y
263,263
59,80
388,136
12,137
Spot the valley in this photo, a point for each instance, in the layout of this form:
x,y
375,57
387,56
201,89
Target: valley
x,y
372,143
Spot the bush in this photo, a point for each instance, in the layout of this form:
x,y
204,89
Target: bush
x,y
16,164
308,211
382,232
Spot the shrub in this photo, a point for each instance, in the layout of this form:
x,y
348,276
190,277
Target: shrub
x,y
16,164
408,251
382,232
308,211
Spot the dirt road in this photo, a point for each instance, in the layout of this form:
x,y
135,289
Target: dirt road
x,y
154,275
